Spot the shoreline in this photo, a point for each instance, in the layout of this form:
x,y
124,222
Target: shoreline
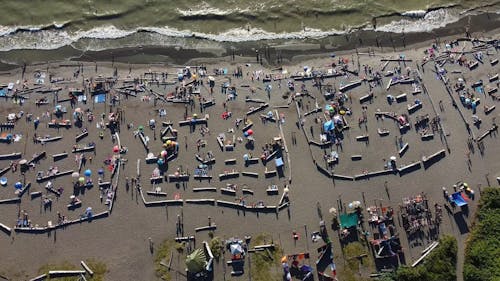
x,y
272,52
127,227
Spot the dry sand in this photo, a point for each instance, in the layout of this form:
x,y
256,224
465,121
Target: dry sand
x,y
121,240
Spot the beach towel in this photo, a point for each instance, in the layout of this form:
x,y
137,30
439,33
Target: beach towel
x,y
101,98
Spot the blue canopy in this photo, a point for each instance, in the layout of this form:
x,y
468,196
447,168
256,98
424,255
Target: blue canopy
x,y
328,126
458,199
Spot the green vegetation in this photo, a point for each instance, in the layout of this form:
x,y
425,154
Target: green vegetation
x,y
163,255
179,247
266,264
216,246
482,254
354,270
439,265
99,268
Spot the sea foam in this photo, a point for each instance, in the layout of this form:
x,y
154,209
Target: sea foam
x,y
45,37
431,20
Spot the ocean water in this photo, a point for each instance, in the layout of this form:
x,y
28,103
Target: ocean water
x,y
98,24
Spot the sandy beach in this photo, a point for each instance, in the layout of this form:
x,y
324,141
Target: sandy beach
x,y
122,238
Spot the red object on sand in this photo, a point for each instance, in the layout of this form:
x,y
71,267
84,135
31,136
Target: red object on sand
x,y
465,197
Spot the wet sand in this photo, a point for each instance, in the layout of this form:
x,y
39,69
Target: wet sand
x,y
121,240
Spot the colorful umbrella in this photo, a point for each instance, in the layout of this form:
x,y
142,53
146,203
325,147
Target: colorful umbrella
x,y
116,149
100,172
75,175
88,173
248,133
81,179
18,185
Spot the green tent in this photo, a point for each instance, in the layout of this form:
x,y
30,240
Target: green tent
x,y
348,220
196,261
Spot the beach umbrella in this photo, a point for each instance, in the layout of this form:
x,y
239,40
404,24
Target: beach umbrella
x,y
88,173
211,78
160,162
100,172
246,157
141,128
333,211
72,197
116,149
3,181
195,115
286,190
164,153
356,204
23,162
393,158
248,133
18,185
75,175
81,179
78,110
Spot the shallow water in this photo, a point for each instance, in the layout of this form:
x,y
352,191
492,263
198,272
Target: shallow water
x,y
90,25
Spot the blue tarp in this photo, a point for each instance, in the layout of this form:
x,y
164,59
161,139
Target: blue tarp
x,y
101,98
458,199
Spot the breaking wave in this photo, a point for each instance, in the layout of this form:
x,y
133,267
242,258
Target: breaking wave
x,y
57,35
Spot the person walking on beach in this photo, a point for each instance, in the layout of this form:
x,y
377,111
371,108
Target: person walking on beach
x,y
151,245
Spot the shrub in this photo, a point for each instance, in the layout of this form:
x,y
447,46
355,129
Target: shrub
x,y
482,253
